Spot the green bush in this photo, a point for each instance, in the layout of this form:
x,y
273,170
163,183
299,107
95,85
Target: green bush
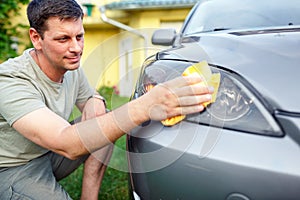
x,y
8,31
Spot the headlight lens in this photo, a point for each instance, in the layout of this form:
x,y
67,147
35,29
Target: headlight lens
x,y
236,107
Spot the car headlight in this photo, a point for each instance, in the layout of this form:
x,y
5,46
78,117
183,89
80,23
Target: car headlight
x,y
236,106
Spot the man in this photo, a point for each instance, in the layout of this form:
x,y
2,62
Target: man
x,y
38,146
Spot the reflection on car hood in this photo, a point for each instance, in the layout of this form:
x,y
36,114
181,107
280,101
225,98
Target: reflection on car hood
x,y
268,59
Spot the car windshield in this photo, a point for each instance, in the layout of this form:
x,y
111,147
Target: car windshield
x,y
214,15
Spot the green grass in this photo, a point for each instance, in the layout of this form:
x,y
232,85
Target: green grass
x,y
115,181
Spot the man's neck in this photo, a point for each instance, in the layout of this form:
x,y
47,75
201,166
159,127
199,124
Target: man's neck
x,y
52,73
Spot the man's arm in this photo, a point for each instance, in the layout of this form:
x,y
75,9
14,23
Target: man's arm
x,y
180,96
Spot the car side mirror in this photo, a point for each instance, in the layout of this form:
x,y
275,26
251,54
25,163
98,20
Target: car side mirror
x,y
165,37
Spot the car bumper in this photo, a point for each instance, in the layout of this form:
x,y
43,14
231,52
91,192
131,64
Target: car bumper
x,y
190,161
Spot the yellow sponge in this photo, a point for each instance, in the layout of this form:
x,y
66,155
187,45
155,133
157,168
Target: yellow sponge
x,y
210,79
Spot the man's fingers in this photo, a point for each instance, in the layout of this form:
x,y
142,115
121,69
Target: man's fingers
x,y
188,110
192,92
183,81
187,86
196,89
194,100
192,109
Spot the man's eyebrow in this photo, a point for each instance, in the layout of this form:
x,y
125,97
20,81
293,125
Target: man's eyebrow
x,y
61,36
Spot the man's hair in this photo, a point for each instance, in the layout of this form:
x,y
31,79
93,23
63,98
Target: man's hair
x,y
39,11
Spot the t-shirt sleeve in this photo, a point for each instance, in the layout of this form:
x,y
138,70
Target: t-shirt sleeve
x,y
85,90
18,97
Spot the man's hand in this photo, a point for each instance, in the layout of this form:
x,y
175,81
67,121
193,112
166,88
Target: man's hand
x,y
94,107
180,96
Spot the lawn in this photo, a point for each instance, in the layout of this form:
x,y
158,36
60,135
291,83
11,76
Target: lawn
x,y
115,182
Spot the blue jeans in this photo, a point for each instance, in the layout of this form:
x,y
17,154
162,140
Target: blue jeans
x,y
38,179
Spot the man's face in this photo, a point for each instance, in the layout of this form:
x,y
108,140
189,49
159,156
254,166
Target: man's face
x,y
63,43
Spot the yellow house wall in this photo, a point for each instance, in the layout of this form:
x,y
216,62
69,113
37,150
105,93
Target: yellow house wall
x,y
98,54
100,58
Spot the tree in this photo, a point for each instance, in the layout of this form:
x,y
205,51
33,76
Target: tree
x,y
9,31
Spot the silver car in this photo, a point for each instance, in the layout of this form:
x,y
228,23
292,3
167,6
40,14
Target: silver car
x,y
245,145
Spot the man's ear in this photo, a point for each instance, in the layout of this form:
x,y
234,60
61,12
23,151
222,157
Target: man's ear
x,y
35,38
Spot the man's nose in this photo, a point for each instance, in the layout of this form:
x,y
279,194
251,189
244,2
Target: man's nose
x,y
76,45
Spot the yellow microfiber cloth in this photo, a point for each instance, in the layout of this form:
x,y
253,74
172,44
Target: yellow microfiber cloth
x,y
210,79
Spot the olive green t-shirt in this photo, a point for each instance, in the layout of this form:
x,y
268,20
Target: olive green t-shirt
x,y
24,88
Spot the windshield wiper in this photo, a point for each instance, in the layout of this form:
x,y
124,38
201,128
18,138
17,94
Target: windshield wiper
x,y
220,29
207,31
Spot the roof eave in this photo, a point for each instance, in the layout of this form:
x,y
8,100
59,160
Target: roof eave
x,y
128,8
150,5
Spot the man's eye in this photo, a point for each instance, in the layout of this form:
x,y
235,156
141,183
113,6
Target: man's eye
x,y
62,39
79,37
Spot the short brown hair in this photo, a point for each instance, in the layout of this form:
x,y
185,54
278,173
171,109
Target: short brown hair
x,y
39,11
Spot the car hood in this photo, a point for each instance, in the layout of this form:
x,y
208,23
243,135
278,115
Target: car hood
x,y
267,59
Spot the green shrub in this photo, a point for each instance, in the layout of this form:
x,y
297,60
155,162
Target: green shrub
x,y
8,31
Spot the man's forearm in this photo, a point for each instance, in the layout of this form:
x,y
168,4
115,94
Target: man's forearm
x,y
102,130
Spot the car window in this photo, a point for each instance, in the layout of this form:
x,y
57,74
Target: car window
x,y
214,15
